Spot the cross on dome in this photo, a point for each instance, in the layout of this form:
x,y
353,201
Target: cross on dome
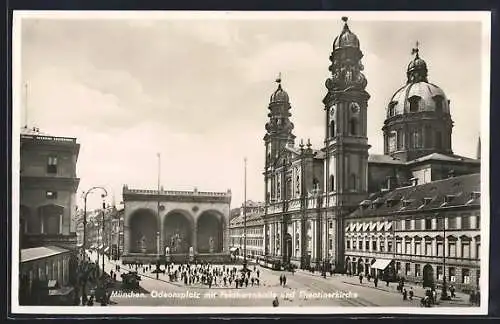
x,y
414,51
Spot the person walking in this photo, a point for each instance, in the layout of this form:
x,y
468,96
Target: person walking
x,y
281,280
411,293
405,294
284,280
375,282
360,278
276,303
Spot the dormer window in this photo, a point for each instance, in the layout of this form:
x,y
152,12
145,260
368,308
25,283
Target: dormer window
x,y
475,195
439,100
448,198
406,203
414,101
426,201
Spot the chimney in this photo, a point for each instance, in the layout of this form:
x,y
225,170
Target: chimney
x,y
414,181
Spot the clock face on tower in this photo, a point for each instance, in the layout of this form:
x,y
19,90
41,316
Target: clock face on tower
x,y
332,111
354,107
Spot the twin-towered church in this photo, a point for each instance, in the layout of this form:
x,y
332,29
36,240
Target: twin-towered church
x,y
309,190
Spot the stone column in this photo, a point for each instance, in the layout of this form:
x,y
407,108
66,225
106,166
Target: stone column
x,y
194,239
225,243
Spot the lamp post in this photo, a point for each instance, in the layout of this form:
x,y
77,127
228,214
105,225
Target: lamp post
x,y
103,235
245,217
444,291
159,221
85,194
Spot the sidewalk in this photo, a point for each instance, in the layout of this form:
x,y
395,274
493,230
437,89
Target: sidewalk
x,y
418,290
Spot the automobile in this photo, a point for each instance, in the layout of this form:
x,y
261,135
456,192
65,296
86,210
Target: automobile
x,y
131,279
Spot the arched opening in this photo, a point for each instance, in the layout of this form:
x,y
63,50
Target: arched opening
x,y
353,126
353,181
348,265
177,230
315,184
332,129
50,219
288,247
143,226
428,276
210,229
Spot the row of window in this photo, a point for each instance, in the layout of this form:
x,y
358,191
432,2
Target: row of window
x,y
250,242
427,250
464,221
249,231
414,102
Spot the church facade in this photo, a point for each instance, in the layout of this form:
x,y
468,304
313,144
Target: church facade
x,y
312,195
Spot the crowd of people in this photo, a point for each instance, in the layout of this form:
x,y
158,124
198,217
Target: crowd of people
x,y
206,274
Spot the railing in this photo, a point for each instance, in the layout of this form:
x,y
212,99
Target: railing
x,y
48,138
177,192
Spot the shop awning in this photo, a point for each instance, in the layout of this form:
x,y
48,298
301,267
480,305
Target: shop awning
x,y
381,264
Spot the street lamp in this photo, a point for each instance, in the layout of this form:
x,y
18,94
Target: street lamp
x,y
245,218
319,202
85,194
444,291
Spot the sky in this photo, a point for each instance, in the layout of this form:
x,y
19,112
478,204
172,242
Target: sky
x,y
197,90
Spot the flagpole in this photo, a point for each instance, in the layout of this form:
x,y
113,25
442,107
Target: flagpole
x,y
245,218
26,105
159,221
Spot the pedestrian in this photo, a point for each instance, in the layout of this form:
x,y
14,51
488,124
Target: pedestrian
x,y
258,273
246,282
360,278
387,282
410,293
252,281
284,280
276,303
434,296
452,291
375,282
405,294
281,280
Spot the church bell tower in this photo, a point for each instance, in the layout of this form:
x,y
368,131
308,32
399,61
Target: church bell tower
x,y
346,142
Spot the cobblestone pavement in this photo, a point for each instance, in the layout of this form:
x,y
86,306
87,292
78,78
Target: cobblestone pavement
x,y
302,289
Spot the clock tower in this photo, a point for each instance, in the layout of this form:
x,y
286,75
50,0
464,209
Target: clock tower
x,y
346,142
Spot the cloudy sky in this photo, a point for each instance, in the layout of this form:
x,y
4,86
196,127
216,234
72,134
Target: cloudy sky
x,y
197,90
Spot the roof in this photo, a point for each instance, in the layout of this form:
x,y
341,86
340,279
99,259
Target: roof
x,y
383,159
444,157
252,219
456,191
32,131
40,252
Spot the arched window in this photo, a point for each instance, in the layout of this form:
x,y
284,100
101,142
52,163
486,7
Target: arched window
x,y
439,140
315,184
353,126
353,181
392,108
332,128
414,103
332,182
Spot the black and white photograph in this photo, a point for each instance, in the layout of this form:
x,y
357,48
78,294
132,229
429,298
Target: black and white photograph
x,y
191,162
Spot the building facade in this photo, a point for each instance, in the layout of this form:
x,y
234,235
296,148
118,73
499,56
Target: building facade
x,y
48,189
177,224
312,195
254,231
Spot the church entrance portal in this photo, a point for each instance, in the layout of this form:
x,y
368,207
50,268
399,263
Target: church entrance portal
x,y
209,229
143,225
177,231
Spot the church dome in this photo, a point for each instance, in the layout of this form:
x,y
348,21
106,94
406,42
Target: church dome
x,y
346,38
418,97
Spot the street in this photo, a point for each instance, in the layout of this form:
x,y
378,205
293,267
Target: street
x,y
302,289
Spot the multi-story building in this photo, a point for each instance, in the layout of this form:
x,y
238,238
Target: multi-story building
x,y
47,220
311,194
48,189
418,233
254,231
